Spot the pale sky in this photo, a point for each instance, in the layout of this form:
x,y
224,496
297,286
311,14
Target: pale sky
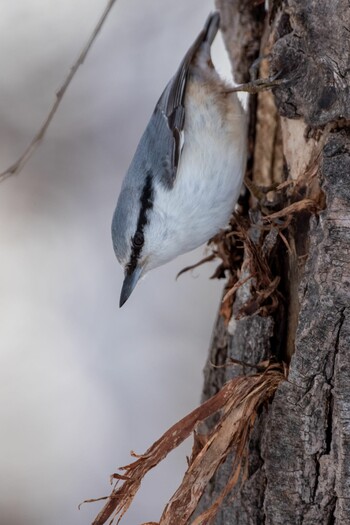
x,y
82,382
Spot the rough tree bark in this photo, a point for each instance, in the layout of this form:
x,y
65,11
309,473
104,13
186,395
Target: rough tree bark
x,y
299,462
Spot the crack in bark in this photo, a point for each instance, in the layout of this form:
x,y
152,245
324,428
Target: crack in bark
x,y
340,326
329,428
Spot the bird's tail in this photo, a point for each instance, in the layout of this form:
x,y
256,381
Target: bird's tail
x,y
173,95
210,28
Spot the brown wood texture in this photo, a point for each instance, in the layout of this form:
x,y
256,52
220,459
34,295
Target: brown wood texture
x,y
299,463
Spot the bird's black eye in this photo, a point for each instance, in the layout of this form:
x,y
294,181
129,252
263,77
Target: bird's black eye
x,y
138,239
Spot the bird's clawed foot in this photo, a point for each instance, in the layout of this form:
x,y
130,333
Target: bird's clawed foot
x,y
261,84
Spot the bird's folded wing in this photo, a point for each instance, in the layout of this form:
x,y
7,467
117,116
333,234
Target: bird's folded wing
x,y
167,123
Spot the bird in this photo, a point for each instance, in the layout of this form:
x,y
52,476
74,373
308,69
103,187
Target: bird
x,y
187,172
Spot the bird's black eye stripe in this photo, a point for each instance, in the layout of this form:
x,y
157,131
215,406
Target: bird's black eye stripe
x,y
137,241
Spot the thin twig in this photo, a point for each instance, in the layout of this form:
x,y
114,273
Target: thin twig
x,y
23,159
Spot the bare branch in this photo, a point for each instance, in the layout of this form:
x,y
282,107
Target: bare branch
x,y
23,159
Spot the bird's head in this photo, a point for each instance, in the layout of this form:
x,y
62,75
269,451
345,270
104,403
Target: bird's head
x,y
141,236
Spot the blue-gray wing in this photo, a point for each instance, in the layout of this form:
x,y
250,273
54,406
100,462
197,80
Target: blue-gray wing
x,y
161,143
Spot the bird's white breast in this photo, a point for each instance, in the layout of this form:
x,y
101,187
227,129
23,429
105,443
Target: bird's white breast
x,y
209,176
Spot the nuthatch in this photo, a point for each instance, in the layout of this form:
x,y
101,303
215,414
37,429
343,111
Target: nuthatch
x,y
187,172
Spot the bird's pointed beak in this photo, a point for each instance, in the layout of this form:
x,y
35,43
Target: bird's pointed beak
x,y
129,284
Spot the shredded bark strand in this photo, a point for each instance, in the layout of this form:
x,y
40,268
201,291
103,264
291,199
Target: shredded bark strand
x,y
238,402
209,258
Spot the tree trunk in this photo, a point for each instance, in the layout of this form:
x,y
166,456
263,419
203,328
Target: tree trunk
x,y
299,460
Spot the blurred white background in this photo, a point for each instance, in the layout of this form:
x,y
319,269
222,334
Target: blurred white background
x,y
82,382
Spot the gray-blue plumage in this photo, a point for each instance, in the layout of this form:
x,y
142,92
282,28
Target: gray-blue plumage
x,y
179,190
